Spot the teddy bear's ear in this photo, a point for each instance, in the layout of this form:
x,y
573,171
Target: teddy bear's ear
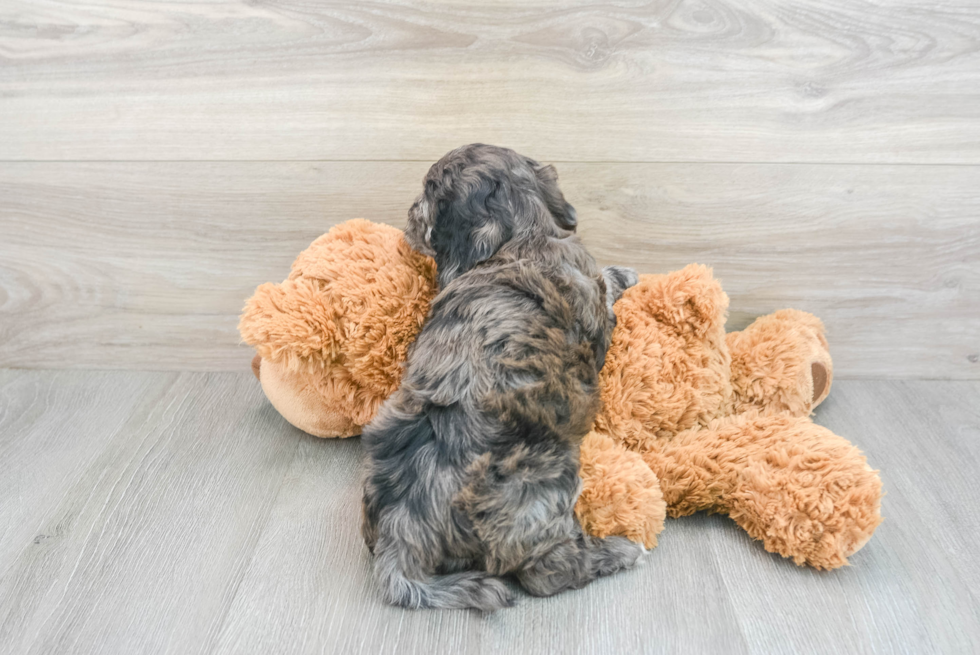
x,y
292,323
352,305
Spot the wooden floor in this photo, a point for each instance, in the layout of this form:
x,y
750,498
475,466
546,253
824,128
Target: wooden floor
x,y
178,513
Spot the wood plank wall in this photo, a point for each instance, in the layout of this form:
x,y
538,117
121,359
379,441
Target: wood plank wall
x,y
159,160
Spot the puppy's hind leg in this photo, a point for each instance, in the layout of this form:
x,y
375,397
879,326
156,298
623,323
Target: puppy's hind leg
x,y
522,507
612,554
574,563
405,582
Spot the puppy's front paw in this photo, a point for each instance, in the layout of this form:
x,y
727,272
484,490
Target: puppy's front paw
x,y
618,279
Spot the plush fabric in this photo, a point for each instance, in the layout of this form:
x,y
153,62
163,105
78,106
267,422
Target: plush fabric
x,y
344,318
692,419
304,399
723,420
803,491
777,361
620,493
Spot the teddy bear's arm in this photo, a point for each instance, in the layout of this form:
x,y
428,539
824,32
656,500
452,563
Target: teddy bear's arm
x,y
620,494
292,323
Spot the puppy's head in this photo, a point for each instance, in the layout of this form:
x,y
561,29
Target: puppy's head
x,y
479,197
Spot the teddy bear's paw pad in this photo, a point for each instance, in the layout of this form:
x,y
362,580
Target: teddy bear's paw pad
x,y
858,545
821,381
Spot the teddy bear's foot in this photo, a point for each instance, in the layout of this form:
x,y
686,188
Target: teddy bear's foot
x,y
803,491
620,494
781,363
293,396
814,500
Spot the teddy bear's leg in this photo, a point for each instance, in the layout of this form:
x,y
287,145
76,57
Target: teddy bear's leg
x,y
805,492
781,363
620,494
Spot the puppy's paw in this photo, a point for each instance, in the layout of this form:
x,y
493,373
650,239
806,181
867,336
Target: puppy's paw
x,y
489,594
617,553
618,279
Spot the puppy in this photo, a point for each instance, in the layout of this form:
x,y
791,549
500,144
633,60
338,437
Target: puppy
x,y
472,465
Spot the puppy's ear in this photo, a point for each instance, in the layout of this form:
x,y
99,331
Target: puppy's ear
x,y
563,213
470,228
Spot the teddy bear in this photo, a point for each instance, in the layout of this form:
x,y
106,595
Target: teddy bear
x,y
724,420
692,419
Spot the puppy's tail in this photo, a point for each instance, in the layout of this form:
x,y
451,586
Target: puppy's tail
x,y
466,590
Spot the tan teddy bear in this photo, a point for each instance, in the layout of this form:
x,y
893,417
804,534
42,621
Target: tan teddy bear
x,y
692,419
723,420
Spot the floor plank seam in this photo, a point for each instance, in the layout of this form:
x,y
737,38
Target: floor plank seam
x,y
102,512
212,642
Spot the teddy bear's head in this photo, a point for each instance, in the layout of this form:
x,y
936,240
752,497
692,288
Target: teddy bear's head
x,y
332,337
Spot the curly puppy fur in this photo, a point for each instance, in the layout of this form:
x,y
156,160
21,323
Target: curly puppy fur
x,y
473,462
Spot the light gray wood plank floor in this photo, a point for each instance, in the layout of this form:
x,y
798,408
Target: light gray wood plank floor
x,y
178,513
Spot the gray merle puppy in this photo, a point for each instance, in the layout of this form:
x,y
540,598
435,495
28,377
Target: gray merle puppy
x,y
472,465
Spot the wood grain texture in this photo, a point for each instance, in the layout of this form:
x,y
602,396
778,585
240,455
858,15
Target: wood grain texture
x,y
670,80
178,513
131,507
158,160
311,608
147,265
